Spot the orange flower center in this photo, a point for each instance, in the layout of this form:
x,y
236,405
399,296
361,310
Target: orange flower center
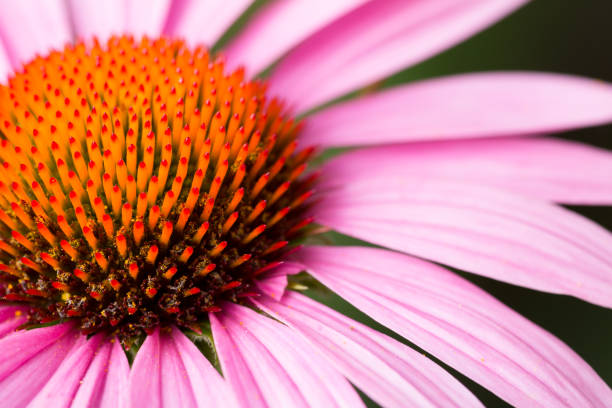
x,y
141,185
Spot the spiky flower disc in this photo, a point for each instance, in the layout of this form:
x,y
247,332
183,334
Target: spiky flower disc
x,y
141,185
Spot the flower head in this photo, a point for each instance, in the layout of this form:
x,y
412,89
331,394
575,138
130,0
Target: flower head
x,y
150,185
153,196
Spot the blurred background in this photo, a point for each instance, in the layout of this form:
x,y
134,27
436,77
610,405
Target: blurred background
x,y
567,36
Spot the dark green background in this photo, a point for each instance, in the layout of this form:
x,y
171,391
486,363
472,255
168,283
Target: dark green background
x,y
568,36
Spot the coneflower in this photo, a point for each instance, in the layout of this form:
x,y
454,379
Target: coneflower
x,y
155,198
141,185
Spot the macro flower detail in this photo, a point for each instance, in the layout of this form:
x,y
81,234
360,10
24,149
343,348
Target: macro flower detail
x,y
132,205
162,206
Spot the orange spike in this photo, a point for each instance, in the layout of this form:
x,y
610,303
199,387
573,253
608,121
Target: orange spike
x,y
81,275
69,249
208,207
101,260
90,237
254,233
300,200
141,207
200,232
23,217
138,232
23,240
186,254
182,220
166,233
10,271
81,217
131,190
107,223
259,185
236,198
229,222
168,203
242,259
256,211
126,215
133,270
275,247
279,192
152,190
153,217
208,269
238,177
121,245
278,216
46,234
116,200
152,254
218,249
169,274
142,177
50,260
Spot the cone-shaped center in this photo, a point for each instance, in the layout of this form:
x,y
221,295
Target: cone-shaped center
x,y
140,185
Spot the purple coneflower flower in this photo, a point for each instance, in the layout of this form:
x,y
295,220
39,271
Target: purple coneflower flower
x,y
153,197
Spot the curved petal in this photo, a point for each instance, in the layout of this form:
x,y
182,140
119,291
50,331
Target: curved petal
x,y
169,371
11,317
61,388
105,383
19,347
465,106
30,359
268,364
460,324
31,27
101,19
548,169
203,21
478,229
280,25
375,41
392,374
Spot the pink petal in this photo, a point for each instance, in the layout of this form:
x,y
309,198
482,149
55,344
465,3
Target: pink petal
x,y
203,21
170,371
376,40
274,282
461,325
478,229
392,374
465,106
61,388
5,64
268,364
31,27
542,168
235,369
26,365
146,17
11,317
19,347
280,25
208,386
105,383
98,18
